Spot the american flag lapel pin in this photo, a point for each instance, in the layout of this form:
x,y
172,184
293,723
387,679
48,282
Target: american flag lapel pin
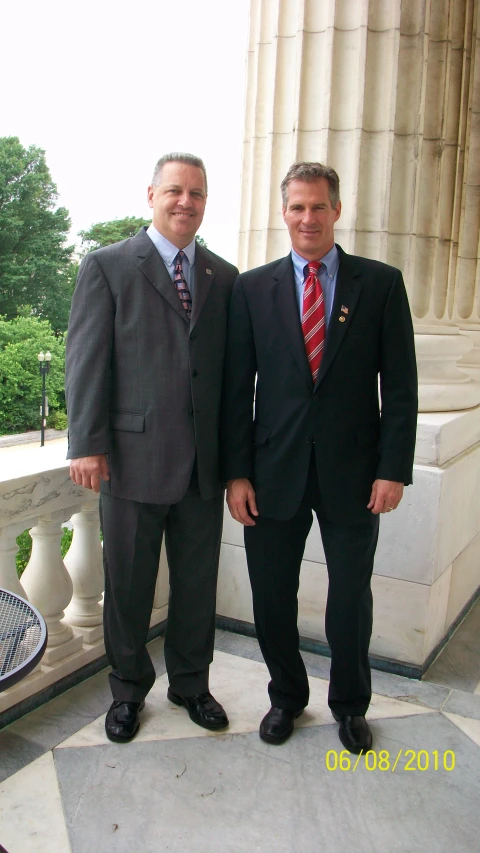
x,y
344,309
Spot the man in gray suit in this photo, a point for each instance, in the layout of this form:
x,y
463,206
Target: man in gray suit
x,y
145,352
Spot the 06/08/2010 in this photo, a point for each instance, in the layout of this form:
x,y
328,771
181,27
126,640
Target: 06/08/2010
x,y
414,759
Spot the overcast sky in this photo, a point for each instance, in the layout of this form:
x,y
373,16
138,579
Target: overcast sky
x,y
108,87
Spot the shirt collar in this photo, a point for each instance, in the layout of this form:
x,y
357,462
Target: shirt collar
x,y
330,261
167,250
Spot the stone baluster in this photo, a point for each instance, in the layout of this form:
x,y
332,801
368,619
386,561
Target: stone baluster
x,y
8,552
84,563
388,93
49,588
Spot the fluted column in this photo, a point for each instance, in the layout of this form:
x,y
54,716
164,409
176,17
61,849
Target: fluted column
x,y
49,588
388,94
84,563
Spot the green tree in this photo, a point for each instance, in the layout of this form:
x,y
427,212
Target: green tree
x,y
21,339
106,233
35,263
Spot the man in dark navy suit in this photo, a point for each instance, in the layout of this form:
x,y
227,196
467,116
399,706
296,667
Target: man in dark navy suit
x,y
309,336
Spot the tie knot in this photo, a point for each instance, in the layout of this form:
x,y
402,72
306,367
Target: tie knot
x,y
312,268
179,258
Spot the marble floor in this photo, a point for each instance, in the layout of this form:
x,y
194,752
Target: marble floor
x,y
176,787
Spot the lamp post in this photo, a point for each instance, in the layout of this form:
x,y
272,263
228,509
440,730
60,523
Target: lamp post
x,y
44,360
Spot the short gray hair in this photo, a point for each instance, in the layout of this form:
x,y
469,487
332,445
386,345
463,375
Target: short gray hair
x,y
178,157
310,172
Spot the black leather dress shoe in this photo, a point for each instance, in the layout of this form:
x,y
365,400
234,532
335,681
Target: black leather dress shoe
x,y
123,720
277,726
354,733
203,709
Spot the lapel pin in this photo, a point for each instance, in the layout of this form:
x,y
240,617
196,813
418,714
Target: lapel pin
x,y
344,309
342,319
209,272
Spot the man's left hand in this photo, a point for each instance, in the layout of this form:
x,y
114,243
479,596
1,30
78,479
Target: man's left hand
x,y
386,495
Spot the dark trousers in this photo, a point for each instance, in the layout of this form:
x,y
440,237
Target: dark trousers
x,y
132,539
274,553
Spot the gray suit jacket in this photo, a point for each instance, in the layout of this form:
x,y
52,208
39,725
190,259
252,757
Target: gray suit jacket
x,y
143,383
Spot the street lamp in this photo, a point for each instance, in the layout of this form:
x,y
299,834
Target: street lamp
x,y
44,360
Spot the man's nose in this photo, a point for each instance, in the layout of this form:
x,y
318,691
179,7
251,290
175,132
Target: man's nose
x,y
308,216
184,200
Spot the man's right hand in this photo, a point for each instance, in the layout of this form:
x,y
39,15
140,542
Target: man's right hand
x,y
87,471
241,501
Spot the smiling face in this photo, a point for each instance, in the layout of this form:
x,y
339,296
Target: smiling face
x,y
178,202
310,218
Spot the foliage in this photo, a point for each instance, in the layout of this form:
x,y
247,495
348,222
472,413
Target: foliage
x,y
35,264
21,340
24,542
201,241
58,420
105,233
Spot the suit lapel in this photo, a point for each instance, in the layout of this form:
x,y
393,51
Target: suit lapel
x,y
287,306
347,292
152,266
204,275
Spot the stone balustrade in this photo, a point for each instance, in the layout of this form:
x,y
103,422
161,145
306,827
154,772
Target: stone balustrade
x,y
427,570
36,493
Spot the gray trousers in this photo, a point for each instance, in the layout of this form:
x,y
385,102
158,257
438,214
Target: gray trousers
x,y
132,539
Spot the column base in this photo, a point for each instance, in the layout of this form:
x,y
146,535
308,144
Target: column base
x,y
442,385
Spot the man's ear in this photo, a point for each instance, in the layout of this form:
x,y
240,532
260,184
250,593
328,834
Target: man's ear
x,y
338,210
150,192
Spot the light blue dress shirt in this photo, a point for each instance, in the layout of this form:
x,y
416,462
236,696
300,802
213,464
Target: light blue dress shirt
x,y
327,274
168,252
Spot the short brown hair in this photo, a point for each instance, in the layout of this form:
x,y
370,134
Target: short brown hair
x,y
310,172
178,157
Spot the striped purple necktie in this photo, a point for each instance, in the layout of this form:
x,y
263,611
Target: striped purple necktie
x,y
181,284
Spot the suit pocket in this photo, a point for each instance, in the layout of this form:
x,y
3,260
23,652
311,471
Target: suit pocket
x,y
127,421
260,434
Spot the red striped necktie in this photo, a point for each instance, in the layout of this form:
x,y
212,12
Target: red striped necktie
x,y
181,284
313,317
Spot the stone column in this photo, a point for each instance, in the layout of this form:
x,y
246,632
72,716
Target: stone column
x,y
387,92
84,563
49,588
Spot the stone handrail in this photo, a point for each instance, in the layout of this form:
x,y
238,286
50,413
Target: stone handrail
x,y
36,493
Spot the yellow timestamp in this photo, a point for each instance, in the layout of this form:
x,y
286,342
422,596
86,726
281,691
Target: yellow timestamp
x,y
403,760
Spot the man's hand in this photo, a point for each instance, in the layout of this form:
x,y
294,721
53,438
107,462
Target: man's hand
x,y
386,495
87,471
241,501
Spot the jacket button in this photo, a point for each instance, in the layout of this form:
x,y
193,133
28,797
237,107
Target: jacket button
x,y
190,411
307,440
193,335
194,373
